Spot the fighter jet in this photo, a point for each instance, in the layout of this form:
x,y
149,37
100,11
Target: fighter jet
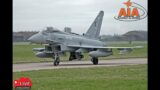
x,y
57,42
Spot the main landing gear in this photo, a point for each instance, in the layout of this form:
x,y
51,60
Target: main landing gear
x,y
94,60
75,55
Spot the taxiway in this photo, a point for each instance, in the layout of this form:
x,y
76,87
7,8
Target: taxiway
x,y
78,64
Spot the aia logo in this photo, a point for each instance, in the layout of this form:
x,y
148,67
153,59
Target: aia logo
x,y
133,12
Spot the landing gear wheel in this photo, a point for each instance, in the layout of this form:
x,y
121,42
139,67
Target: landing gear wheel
x,y
56,61
94,60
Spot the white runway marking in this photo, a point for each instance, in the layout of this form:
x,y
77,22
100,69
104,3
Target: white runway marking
x,y
78,64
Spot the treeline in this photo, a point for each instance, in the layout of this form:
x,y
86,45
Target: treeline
x,y
22,36
128,36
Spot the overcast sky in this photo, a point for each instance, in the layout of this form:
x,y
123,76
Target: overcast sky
x,y
35,15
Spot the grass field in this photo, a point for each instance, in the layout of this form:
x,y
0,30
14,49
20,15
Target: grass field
x,y
22,52
132,77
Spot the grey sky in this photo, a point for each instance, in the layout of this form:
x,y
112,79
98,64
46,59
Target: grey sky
x,y
35,15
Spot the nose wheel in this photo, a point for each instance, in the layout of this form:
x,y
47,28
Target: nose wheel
x,y
56,60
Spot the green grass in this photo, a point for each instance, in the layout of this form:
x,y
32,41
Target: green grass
x,y
132,77
22,52
21,43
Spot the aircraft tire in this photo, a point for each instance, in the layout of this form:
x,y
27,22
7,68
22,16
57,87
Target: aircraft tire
x,y
56,62
94,60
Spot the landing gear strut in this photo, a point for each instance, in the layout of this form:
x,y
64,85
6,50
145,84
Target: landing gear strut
x,y
56,59
94,60
75,55
72,56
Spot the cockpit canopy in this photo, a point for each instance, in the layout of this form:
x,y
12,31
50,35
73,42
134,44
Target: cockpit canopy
x,y
51,30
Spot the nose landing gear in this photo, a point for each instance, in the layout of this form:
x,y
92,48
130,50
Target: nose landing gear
x,y
56,60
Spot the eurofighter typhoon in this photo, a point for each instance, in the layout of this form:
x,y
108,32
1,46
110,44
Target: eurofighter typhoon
x,y
57,42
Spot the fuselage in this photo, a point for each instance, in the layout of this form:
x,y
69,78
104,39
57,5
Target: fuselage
x,y
65,39
69,39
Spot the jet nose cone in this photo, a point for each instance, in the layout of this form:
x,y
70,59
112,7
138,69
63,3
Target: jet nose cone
x,y
32,38
37,38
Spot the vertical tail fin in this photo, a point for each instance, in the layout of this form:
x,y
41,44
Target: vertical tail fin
x,y
94,29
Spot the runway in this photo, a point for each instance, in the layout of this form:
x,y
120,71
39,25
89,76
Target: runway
x,y
78,64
